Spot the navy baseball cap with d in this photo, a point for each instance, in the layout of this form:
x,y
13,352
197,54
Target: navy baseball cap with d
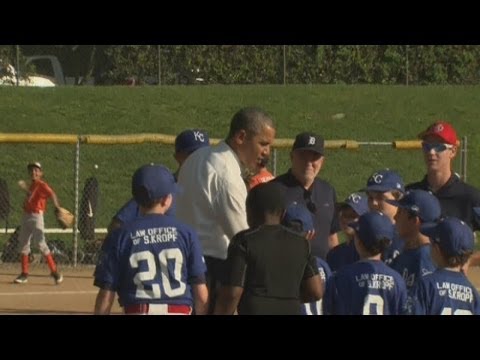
x,y
372,227
309,141
152,182
454,237
385,180
190,140
300,213
357,201
421,203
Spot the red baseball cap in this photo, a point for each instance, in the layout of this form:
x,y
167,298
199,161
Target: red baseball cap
x,y
442,130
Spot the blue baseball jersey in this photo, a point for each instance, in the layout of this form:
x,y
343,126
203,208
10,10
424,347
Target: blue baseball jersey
x,y
394,249
130,211
443,292
315,308
413,264
342,255
153,259
367,287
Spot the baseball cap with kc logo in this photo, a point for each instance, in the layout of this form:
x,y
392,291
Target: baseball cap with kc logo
x,y
357,201
309,141
443,130
385,180
190,140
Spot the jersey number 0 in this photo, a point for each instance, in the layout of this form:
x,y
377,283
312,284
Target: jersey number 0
x,y
148,275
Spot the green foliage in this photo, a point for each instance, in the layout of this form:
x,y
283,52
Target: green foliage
x,y
130,61
7,53
252,64
221,64
448,64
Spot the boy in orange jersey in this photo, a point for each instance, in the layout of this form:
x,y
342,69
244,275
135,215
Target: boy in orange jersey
x,y
32,225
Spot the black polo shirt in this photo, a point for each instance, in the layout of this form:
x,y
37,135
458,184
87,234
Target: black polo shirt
x,y
269,262
456,199
324,198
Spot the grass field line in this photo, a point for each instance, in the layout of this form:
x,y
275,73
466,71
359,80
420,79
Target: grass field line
x,y
67,292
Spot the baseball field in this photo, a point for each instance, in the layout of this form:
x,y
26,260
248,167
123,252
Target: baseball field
x,y
363,113
368,114
75,296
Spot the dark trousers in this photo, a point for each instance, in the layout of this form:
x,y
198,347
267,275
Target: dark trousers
x,y
214,273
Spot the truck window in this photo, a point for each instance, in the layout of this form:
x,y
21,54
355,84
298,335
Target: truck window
x,y
43,67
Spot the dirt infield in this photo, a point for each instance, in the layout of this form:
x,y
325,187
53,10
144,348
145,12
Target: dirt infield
x,y
75,296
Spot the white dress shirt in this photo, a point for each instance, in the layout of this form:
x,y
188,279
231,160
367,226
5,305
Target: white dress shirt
x,y
213,197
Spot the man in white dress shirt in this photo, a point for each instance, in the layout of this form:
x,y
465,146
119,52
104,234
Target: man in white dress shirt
x,y
214,191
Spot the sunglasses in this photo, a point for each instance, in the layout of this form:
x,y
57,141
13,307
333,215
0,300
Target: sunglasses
x,y
438,148
307,196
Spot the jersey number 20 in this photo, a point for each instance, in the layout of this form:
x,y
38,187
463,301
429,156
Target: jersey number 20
x,y
148,275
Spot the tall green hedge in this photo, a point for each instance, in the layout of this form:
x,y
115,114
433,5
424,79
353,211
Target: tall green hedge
x,y
248,64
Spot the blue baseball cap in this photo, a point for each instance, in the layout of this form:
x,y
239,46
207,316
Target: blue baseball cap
x,y
300,213
452,235
385,180
372,227
357,201
152,182
190,140
421,203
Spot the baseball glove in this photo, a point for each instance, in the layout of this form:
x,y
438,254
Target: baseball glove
x,y
64,218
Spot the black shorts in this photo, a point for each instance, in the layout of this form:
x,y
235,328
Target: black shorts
x,y
214,272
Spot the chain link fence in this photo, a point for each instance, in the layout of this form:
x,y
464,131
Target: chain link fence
x,y
92,178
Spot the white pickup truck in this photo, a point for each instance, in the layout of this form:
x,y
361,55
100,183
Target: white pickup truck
x,y
49,72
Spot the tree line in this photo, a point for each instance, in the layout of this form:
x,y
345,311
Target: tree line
x,y
274,64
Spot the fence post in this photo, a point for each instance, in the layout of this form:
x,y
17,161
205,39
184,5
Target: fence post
x,y
76,172
159,67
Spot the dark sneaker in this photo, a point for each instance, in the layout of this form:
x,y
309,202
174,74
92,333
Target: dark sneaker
x,y
21,279
57,277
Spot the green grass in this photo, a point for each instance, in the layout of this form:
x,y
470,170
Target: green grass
x,y
373,113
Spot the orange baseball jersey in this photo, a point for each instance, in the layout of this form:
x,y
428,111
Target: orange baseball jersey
x,y
38,194
262,177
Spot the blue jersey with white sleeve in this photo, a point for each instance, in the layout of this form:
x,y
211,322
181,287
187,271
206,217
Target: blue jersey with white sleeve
x,y
130,211
413,264
444,292
153,260
315,308
367,287
342,255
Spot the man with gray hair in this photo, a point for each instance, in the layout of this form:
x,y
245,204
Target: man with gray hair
x,y
214,191
302,185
